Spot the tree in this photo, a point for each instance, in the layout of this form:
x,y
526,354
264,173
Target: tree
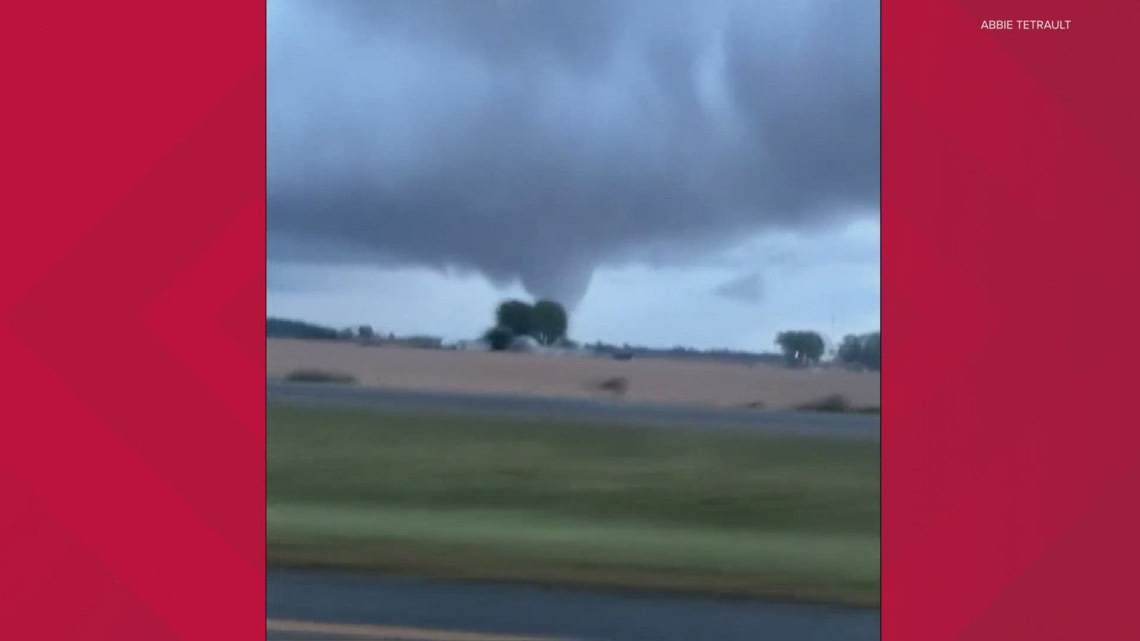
x,y
813,346
850,350
863,350
499,338
516,316
548,322
365,332
872,352
801,347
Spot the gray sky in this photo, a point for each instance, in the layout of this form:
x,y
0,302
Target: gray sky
x,y
699,172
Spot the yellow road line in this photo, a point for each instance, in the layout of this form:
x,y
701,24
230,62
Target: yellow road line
x,y
387,633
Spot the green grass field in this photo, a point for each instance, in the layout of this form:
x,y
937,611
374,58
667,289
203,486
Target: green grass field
x,y
562,503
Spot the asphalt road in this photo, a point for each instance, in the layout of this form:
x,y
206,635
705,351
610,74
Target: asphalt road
x,y
325,605
859,426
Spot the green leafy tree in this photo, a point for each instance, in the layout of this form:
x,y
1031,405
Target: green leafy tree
x,y
548,322
801,347
517,316
365,332
499,338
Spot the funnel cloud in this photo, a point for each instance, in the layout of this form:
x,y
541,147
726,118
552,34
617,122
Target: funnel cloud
x,y
536,142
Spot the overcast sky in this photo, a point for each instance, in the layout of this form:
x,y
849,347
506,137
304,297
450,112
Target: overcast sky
x,y
697,172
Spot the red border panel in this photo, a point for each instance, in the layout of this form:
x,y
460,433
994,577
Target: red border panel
x,y
1010,223
132,472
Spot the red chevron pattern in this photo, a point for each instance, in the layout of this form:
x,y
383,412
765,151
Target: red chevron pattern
x,y
131,314
1008,220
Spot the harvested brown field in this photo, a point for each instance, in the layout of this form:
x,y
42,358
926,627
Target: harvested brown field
x,y
653,380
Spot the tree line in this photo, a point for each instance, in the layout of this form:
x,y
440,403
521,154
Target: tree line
x,y
546,322
295,329
802,348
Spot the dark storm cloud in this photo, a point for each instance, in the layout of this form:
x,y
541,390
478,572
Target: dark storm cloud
x,y
535,140
745,289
